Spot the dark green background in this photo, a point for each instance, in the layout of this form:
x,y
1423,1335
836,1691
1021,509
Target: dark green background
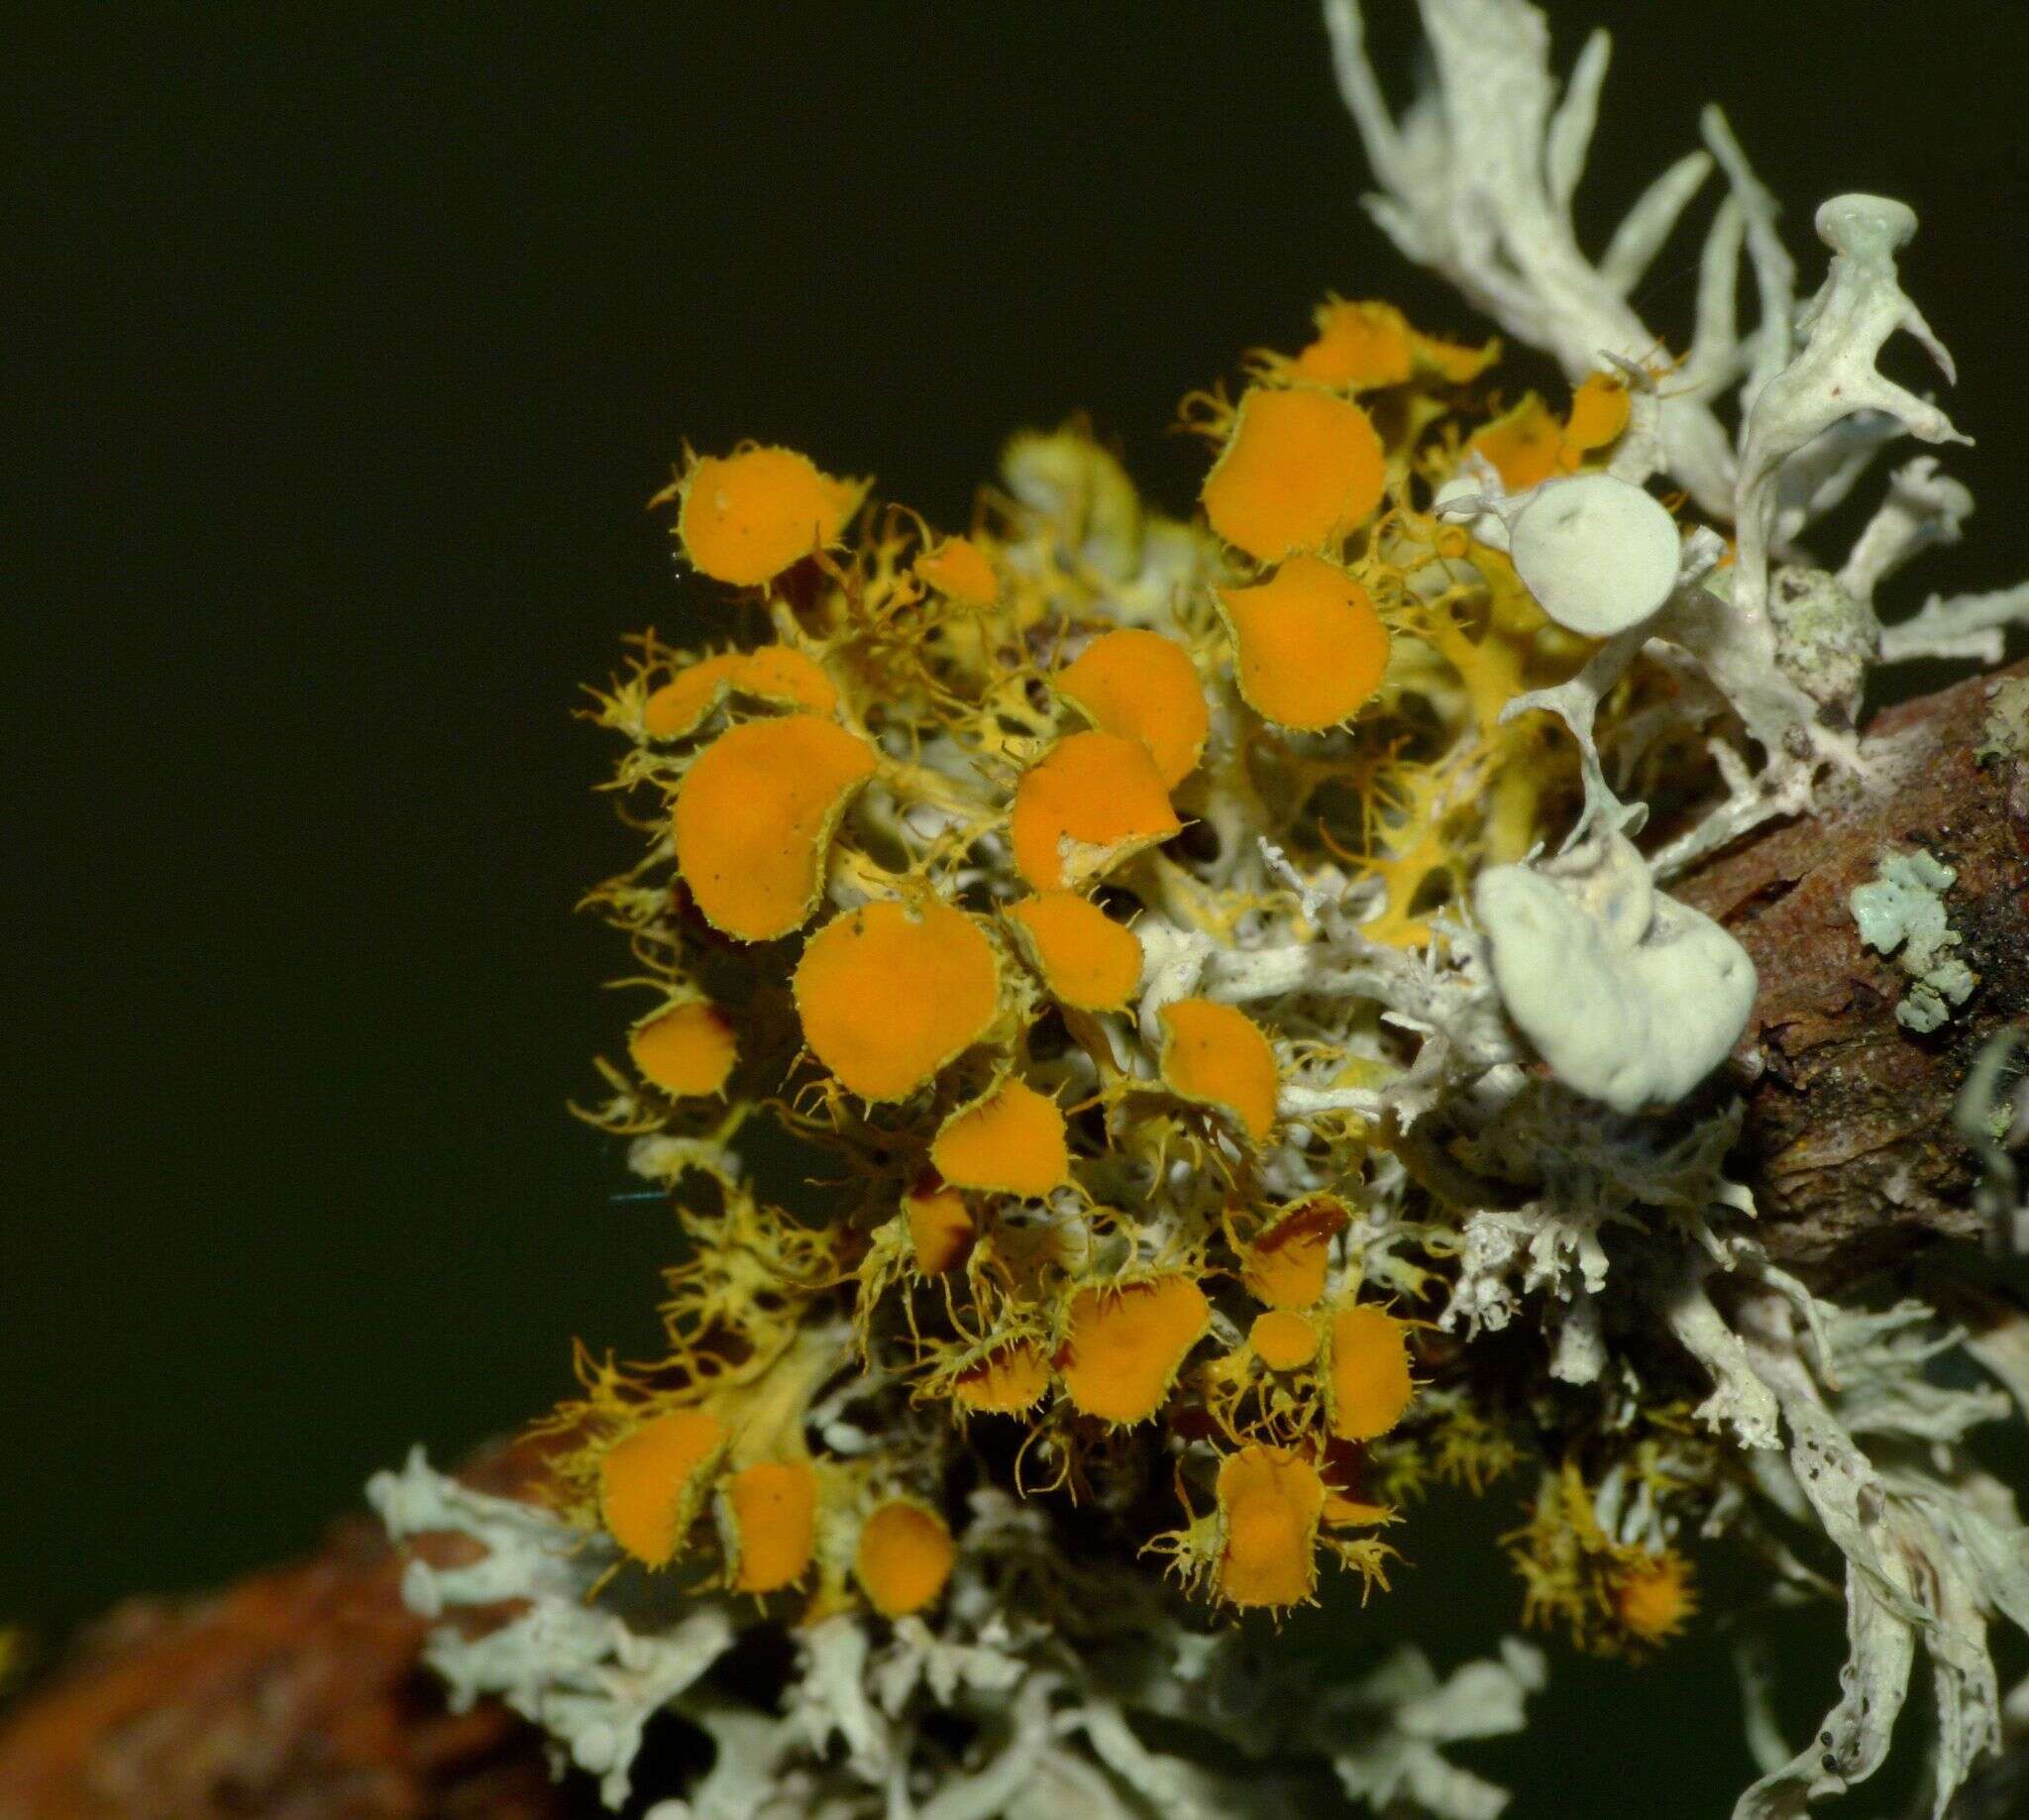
x,y
359,341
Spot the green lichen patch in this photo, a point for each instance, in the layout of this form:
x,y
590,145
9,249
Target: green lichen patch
x,y
1904,908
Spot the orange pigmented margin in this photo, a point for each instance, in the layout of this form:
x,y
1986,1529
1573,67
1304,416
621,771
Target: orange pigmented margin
x,y
680,705
1269,1503
1282,1340
940,1229
1453,362
1599,413
1369,1384
779,674
904,1557
958,569
1092,800
1012,1141
1358,348
1364,347
745,518
1123,1347
1285,1266
688,1050
1084,956
1309,647
888,998
1528,445
1302,469
1009,1379
1087,959
1216,1056
754,818
1142,686
1523,444
769,1514
652,1480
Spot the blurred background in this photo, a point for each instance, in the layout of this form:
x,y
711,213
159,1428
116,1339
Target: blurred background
x,y
358,340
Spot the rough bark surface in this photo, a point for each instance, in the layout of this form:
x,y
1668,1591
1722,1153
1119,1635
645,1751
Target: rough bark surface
x,y
1848,1144
297,1694
300,1693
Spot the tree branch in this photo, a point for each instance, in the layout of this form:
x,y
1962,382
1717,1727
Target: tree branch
x,y
300,1693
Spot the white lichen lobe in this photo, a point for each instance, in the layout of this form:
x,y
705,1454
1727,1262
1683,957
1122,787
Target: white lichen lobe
x,y
1630,995
1598,553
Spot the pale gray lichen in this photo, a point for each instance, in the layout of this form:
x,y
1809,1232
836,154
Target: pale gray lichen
x,y
1630,995
1599,553
1476,182
1991,1113
1934,1545
1826,637
1026,1700
1903,908
589,1676
1511,1104
1399,1717
2005,732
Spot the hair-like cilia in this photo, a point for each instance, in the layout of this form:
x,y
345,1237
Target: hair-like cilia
x,y
1224,974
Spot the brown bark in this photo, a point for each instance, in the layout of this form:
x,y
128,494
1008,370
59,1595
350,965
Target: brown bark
x,y
299,1693
296,1694
1848,1144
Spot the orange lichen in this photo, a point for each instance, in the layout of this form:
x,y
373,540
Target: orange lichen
x,y
1142,686
1217,1056
768,1518
1599,413
1086,958
889,997
941,1228
904,1557
1123,1347
1285,1266
958,568
651,1483
1453,362
1009,1379
1618,1598
1269,1503
1012,1141
1339,1465
747,516
1528,445
1368,1385
1310,648
1366,346
1652,1596
779,673
1359,347
680,705
1354,1513
1093,799
754,817
1032,1221
1302,469
1523,444
1282,1340
782,673
687,1050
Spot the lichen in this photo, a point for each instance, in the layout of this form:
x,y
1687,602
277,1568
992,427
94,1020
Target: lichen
x,y
2005,732
1904,908
1256,1076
